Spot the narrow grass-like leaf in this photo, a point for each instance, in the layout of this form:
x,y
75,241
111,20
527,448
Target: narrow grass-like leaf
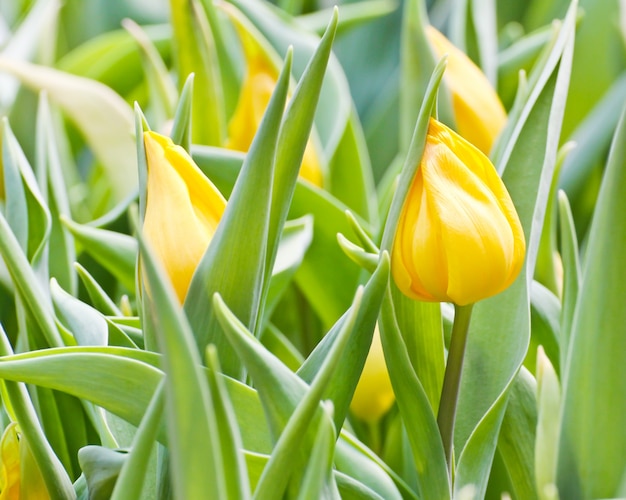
x,y
516,442
571,277
114,251
316,481
99,113
181,127
132,476
163,93
351,15
54,475
196,459
277,472
99,298
342,386
61,248
28,287
499,332
195,52
548,427
228,267
235,473
415,408
593,438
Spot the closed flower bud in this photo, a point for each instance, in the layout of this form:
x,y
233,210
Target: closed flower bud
x,y
373,395
183,209
256,91
478,112
458,237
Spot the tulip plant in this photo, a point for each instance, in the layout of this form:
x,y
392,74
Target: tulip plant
x,y
276,250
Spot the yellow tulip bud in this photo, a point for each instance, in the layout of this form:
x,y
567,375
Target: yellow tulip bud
x,y
478,111
183,209
256,91
458,237
373,395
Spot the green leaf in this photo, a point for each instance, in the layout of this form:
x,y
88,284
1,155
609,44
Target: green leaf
x,y
62,253
54,475
341,388
235,472
87,325
193,443
196,53
545,326
499,332
114,251
181,127
132,475
105,120
548,427
101,467
99,298
227,266
593,437
516,442
571,277
26,210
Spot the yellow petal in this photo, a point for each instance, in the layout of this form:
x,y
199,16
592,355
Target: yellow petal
x,y
458,238
478,111
373,395
10,464
183,209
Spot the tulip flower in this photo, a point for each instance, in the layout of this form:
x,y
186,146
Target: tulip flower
x,y
20,476
373,395
257,87
458,238
183,209
478,112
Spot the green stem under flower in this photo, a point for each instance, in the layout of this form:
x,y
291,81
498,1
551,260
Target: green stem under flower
x,y
452,379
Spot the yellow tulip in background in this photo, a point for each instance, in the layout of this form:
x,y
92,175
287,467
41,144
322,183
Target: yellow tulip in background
x,y
183,209
459,238
478,112
257,87
374,395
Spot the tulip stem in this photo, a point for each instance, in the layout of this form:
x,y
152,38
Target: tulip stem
x,y
452,379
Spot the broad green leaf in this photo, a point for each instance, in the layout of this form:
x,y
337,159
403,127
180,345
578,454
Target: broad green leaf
x,y
101,115
195,52
101,467
593,437
516,442
193,443
499,332
114,251
54,475
548,427
228,267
